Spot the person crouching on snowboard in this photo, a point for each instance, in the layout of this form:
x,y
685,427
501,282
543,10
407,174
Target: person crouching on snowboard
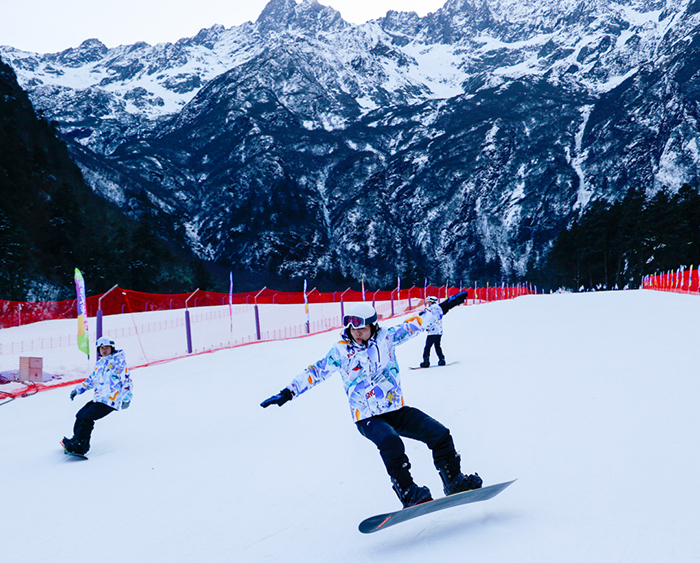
x,y
112,384
366,360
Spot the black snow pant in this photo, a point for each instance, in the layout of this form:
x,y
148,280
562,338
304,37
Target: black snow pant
x,y
386,430
85,422
433,340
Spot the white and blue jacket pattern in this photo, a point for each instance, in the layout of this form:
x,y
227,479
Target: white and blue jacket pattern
x,y
111,381
370,372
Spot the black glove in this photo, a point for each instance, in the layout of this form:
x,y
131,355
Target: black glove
x,y
279,399
453,301
73,393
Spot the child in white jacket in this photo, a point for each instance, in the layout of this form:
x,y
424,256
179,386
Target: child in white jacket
x,y
113,391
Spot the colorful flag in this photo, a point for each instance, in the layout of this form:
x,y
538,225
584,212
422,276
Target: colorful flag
x,y
364,297
83,337
230,299
306,310
690,277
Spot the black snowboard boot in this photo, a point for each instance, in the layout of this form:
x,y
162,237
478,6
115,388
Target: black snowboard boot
x,y
75,446
408,492
425,364
453,480
442,362
411,495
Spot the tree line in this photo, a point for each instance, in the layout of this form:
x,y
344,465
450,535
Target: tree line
x,y
51,222
616,244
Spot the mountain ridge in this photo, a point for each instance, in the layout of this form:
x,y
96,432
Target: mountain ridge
x,y
456,145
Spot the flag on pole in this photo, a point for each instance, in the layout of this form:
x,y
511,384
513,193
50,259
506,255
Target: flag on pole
x,y
230,299
398,288
690,277
364,297
306,310
83,336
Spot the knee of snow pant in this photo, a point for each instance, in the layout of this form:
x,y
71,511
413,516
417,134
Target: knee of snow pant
x,y
86,417
419,426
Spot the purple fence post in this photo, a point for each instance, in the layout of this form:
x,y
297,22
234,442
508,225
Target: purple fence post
x,y
188,326
99,312
188,330
342,306
98,331
257,314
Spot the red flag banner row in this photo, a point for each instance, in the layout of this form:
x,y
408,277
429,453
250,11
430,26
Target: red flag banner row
x,y
682,280
120,301
155,328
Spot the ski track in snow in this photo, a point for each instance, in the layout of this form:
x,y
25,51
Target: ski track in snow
x,y
589,400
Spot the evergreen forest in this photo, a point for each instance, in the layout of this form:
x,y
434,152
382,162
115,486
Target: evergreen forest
x,y
615,244
51,222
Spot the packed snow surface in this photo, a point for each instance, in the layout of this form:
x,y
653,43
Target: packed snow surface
x,y
589,400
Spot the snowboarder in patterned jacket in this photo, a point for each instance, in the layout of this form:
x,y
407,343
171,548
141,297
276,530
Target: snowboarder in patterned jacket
x,y
366,361
112,386
434,338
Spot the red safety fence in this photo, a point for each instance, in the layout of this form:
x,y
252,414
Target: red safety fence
x,y
155,328
682,280
120,301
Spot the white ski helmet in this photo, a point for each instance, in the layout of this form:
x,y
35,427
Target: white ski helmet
x,y
360,315
104,341
431,300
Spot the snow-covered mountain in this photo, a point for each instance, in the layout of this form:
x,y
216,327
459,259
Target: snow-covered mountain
x,y
455,145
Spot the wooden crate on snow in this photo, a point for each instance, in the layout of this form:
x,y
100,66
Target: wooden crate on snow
x,y
31,369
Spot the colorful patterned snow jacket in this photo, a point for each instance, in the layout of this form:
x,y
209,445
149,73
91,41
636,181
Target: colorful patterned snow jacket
x,y
110,380
370,372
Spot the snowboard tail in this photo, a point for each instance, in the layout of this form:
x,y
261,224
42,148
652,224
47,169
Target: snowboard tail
x,y
382,521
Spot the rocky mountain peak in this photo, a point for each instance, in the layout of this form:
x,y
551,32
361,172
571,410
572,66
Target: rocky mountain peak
x,y
89,51
460,143
309,17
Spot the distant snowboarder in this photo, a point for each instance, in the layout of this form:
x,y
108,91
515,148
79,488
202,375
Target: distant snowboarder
x,y
434,338
113,390
366,360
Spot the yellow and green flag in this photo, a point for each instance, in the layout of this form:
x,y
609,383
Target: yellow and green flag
x,y
83,339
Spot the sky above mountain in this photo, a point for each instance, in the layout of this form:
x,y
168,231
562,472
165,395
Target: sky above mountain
x,y
46,26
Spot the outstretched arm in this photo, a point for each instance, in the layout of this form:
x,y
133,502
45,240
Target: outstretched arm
x,y
453,301
311,376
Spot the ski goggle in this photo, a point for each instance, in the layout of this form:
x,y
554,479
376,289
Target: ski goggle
x,y
358,322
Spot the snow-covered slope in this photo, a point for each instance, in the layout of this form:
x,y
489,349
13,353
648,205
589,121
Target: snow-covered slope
x,y
589,400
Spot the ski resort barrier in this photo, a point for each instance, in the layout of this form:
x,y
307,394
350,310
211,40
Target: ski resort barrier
x,y
682,280
155,328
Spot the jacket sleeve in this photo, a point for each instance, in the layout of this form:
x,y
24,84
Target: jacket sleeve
x,y
87,383
416,324
318,372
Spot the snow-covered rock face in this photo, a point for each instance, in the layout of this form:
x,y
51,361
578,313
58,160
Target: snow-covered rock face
x,y
454,145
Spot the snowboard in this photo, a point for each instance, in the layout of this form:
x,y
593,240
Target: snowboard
x,y
382,521
434,366
65,451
